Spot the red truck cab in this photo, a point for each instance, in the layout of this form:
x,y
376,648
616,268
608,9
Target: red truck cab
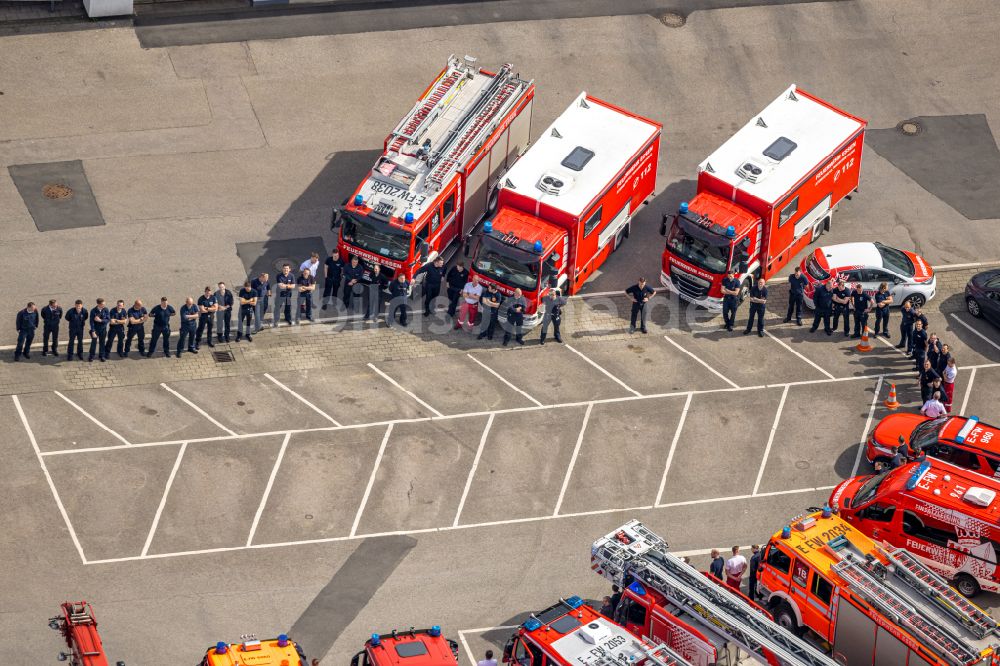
x,y
762,197
569,202
414,647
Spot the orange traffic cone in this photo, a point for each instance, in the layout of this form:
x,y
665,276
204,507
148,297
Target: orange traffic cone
x,y
864,345
892,403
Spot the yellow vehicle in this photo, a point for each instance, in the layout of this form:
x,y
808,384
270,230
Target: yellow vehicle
x,y
280,651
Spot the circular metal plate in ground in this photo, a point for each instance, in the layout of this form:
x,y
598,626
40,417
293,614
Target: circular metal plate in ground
x,y
56,191
672,19
910,127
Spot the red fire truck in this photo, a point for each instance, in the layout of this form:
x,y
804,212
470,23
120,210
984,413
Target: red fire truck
x,y
763,196
415,647
438,173
79,628
568,203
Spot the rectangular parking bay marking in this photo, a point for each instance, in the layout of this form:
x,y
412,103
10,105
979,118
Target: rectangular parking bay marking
x,y
503,379
706,365
572,460
198,409
406,391
481,630
673,448
371,479
770,440
609,375
968,391
974,331
267,489
472,471
303,400
163,499
92,418
868,425
785,345
48,477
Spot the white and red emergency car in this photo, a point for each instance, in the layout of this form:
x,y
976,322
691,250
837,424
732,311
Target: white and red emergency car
x,y
907,275
569,202
763,196
959,440
947,516
438,173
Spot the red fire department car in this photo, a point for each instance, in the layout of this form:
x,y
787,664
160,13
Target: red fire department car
x,y
569,202
414,647
438,173
959,440
945,515
763,196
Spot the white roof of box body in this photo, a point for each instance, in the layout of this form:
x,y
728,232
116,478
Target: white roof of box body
x,y
588,133
814,129
586,644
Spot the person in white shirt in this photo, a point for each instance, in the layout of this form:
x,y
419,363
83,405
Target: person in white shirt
x,y
933,407
489,660
470,303
736,566
312,263
948,382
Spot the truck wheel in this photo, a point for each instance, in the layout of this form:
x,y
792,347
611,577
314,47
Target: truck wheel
x,y
620,237
819,229
785,617
966,584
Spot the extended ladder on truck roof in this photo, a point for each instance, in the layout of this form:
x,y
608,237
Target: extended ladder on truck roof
x,y
634,552
874,582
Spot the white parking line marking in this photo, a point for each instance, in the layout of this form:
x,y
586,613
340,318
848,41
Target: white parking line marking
x,y
472,472
968,391
673,447
608,374
710,368
572,460
481,630
371,481
785,345
503,379
733,498
267,489
868,425
888,343
770,441
48,477
983,337
198,409
406,391
92,418
163,499
303,400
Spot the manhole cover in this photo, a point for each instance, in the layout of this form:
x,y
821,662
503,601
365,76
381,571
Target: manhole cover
x,y
223,357
802,464
672,19
54,191
910,127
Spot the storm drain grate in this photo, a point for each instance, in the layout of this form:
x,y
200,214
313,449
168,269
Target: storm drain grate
x,y
56,191
672,19
223,357
910,127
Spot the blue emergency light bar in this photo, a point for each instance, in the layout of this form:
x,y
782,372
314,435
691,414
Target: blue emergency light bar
x,y
966,429
532,623
917,474
574,602
638,588
358,200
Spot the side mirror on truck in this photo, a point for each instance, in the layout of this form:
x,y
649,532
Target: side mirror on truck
x,y
336,219
508,649
424,249
743,267
553,260
665,223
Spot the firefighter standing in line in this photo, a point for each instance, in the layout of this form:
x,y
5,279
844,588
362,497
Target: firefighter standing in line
x,y
77,318
862,304
841,296
261,285
456,278
51,318
161,314
758,305
822,299
906,320
99,316
224,315
433,274
398,290
554,302
190,315
207,307
883,299
640,293
730,299
137,316
248,306
919,345
306,285
374,284
116,330
491,300
516,306
353,274
283,298
796,295
331,280
26,323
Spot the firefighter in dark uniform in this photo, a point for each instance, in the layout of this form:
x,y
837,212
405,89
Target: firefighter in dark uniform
x,y
331,280
491,300
26,323
758,305
262,285
398,291
516,305
862,303
433,274
354,272
208,305
248,305
905,326
137,316
224,315
189,324
77,318
822,300
796,295
841,297
554,302
51,318
456,278
161,314
116,329
919,344
99,316
283,297
730,299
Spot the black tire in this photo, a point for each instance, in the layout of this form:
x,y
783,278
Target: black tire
x,y
915,300
785,617
966,585
620,238
973,307
491,201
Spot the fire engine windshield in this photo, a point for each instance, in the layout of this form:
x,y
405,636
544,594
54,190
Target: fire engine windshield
x,y
376,236
868,489
712,257
926,434
509,265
